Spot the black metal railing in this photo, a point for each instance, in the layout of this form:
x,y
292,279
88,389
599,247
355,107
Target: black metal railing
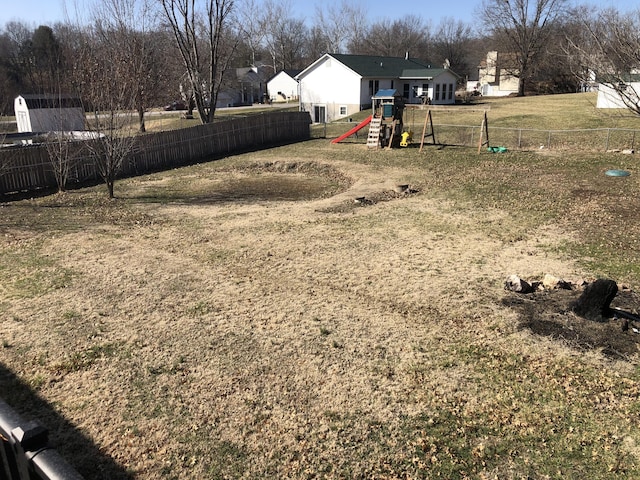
x,y
25,452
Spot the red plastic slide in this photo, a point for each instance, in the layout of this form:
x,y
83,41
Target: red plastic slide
x,y
364,123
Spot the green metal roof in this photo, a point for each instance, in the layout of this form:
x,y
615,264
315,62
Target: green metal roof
x,y
379,66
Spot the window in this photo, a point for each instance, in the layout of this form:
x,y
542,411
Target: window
x,y
415,91
374,86
405,90
343,110
450,91
437,95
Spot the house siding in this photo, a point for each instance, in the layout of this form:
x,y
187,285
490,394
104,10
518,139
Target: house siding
x,y
609,98
440,90
331,85
495,80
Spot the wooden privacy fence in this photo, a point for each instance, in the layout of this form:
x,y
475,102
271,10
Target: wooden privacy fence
x,y
28,168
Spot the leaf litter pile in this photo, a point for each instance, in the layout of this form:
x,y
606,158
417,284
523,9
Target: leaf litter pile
x,y
350,331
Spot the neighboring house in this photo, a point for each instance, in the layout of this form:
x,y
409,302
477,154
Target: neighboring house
x,y
497,75
338,85
243,86
610,97
283,86
252,83
48,113
228,98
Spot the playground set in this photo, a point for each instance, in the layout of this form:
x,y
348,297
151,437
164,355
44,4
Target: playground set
x,y
386,128
385,123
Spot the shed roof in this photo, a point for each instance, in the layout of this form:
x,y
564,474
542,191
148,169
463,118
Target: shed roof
x,y
50,100
389,92
289,72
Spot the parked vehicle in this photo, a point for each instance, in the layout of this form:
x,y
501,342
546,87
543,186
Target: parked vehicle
x,y
177,105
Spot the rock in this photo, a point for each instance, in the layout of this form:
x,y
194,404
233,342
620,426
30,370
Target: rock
x,y
581,284
595,300
554,283
515,284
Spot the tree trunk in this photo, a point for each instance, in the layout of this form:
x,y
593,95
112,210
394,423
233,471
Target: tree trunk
x,y
143,128
110,189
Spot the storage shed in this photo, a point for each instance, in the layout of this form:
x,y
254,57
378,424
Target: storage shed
x,y
48,113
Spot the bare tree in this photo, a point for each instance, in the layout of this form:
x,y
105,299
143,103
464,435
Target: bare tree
x,y
202,37
409,35
5,160
608,45
109,92
63,154
339,24
286,38
523,27
451,42
134,22
252,24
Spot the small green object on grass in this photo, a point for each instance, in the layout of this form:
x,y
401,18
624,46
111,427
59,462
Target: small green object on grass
x,y
497,149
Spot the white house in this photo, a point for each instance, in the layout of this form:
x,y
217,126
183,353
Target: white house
x,y
338,85
48,113
283,86
497,75
609,97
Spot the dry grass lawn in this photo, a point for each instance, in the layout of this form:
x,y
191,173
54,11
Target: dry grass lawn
x,y
248,319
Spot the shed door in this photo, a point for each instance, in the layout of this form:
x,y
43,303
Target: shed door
x,y
23,122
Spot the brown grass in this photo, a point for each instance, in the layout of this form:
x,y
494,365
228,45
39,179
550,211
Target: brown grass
x,y
248,319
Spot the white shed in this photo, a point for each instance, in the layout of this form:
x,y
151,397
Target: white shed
x,y
48,113
283,86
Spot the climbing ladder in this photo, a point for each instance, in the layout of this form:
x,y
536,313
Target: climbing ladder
x,y
373,140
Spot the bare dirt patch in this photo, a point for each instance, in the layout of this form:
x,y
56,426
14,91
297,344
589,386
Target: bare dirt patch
x,y
548,313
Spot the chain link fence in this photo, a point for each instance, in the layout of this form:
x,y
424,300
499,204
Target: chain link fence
x,y
585,140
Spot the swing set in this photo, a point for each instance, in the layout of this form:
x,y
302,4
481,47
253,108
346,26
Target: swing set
x,y
429,133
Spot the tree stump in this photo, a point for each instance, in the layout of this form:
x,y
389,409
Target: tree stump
x,y
594,303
